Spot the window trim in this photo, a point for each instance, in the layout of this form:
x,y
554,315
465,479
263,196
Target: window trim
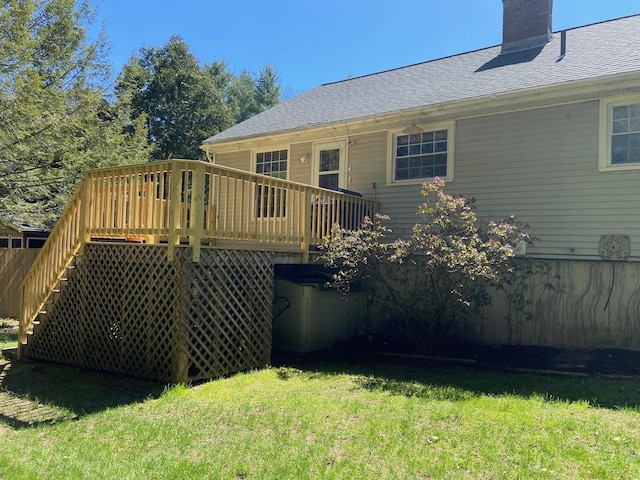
x,y
254,158
391,149
256,214
606,131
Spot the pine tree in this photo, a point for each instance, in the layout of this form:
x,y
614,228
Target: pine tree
x,y
182,102
55,120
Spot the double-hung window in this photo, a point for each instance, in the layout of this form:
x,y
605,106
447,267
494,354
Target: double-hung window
x,y
271,201
620,133
419,156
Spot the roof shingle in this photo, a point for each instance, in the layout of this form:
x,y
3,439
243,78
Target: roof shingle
x,y
593,51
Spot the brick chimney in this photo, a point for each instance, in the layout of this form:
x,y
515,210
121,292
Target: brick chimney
x,y
526,24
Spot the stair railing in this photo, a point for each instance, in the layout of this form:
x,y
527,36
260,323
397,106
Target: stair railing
x,y
57,253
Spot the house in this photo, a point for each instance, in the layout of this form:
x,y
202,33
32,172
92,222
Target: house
x,y
19,244
20,235
545,126
165,270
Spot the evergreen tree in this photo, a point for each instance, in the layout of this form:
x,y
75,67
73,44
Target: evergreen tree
x,y
249,95
242,97
55,122
182,102
267,88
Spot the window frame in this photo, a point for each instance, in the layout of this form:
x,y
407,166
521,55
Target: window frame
x,y
606,132
254,159
392,149
279,204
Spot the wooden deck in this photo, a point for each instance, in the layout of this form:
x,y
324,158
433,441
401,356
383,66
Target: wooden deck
x,y
179,205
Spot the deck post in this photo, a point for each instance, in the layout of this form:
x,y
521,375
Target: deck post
x,y
197,211
85,211
306,226
175,201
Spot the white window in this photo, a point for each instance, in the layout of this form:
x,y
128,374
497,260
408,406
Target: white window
x,y
273,163
271,201
419,156
620,133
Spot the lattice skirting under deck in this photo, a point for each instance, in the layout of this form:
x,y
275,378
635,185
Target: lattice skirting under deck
x,y
127,309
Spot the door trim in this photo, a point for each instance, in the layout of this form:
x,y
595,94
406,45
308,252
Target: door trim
x,y
341,144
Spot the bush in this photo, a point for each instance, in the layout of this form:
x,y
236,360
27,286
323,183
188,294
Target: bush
x,y
426,283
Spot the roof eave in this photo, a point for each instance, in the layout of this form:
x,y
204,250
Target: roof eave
x,y
535,97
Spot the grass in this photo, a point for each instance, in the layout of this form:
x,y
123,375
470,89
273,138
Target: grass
x,y
8,333
320,418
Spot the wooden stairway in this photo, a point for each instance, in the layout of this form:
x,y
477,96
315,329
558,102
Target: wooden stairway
x,y
51,269
51,300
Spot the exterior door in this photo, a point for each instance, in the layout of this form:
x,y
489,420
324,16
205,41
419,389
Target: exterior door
x,y
329,160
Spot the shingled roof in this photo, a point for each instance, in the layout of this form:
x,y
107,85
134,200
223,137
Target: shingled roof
x,y
593,51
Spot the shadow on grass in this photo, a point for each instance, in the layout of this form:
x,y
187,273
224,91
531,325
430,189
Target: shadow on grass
x,y
437,381
34,393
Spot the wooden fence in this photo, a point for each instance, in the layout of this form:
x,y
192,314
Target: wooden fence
x,y
14,265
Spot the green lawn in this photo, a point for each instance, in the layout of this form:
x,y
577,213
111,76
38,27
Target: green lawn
x,y
318,419
8,333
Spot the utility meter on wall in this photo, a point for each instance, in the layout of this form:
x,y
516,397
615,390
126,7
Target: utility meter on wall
x,y
615,247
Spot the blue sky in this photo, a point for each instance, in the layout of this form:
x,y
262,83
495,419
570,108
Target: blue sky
x,y
311,42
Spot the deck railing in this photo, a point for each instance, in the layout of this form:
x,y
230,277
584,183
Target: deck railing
x,y
185,201
200,203
51,263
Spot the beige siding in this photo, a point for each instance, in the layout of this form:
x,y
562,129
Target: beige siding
x,y
542,166
300,171
240,160
368,163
